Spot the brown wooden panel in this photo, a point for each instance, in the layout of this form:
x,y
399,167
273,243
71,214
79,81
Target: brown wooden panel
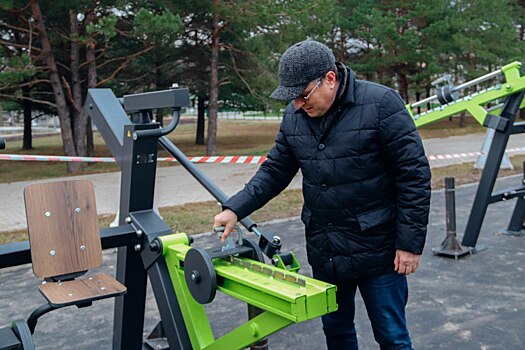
x,y
63,227
82,289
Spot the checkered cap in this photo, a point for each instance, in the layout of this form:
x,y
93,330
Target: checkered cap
x,y
300,64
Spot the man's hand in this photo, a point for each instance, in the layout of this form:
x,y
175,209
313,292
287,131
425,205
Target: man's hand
x,y
226,218
405,262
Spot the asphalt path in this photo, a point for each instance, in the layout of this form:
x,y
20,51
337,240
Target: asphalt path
x,y
473,303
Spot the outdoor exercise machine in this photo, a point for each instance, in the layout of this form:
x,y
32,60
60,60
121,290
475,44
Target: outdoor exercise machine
x,y
184,278
448,101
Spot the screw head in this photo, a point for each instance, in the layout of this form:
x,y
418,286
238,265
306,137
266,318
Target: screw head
x,y
82,248
137,247
47,214
128,220
77,210
139,233
52,253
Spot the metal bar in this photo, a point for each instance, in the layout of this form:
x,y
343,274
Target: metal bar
x,y
477,80
200,177
169,307
518,215
459,87
137,188
19,253
422,102
490,172
110,118
450,206
506,195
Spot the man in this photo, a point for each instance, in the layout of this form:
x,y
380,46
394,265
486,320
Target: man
x,y
366,187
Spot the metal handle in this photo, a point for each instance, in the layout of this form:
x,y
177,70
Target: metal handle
x,y
230,244
142,134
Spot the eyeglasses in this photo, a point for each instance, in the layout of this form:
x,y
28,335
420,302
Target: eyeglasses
x,y
307,97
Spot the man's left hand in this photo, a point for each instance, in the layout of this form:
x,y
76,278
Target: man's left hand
x,y
405,262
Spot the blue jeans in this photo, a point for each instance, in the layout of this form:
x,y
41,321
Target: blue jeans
x,y
385,298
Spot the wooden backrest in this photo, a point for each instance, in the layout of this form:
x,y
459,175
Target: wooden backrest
x,y
63,227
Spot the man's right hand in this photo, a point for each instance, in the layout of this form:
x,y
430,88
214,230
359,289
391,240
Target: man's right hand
x,y
226,218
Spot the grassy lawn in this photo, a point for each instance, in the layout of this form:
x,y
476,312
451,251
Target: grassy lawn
x,y
234,138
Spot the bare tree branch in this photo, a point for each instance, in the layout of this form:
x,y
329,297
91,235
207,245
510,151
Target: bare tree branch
x,y
12,97
124,64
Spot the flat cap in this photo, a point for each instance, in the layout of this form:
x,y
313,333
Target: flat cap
x,y
300,64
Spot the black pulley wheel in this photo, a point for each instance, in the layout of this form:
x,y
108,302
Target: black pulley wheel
x,y
200,275
256,253
21,330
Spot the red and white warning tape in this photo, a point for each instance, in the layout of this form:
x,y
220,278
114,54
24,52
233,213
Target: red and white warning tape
x,y
469,154
204,159
207,159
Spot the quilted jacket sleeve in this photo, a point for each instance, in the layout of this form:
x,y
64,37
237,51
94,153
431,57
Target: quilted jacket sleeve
x,y
407,160
272,177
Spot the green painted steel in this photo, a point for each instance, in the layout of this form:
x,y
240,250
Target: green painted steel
x,y
285,296
474,103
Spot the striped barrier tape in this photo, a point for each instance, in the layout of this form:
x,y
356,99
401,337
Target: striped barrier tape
x,y
210,159
202,159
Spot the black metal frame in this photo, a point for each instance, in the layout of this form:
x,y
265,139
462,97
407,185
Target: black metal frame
x,y
134,145
504,126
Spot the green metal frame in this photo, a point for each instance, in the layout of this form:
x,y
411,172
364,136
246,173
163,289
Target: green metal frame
x,y
284,301
473,103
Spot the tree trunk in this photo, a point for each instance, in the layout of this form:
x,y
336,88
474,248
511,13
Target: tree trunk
x,y
199,138
211,146
62,108
92,83
27,142
79,114
403,86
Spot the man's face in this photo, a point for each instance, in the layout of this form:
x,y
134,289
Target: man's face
x,y
318,96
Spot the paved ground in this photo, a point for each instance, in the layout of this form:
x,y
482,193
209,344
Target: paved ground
x,y
175,186
474,303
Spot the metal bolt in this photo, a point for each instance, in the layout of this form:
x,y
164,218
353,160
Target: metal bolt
x,y
128,220
102,288
52,253
508,86
275,261
77,210
47,214
137,247
139,233
276,239
70,294
82,248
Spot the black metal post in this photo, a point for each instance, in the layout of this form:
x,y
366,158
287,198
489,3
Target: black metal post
x,y
515,227
450,246
503,127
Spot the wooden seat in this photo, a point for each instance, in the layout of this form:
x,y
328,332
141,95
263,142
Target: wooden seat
x,y
65,242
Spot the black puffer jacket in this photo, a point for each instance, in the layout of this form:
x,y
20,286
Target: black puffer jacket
x,y
366,180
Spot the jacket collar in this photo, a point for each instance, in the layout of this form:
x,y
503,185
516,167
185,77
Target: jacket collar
x,y
346,93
